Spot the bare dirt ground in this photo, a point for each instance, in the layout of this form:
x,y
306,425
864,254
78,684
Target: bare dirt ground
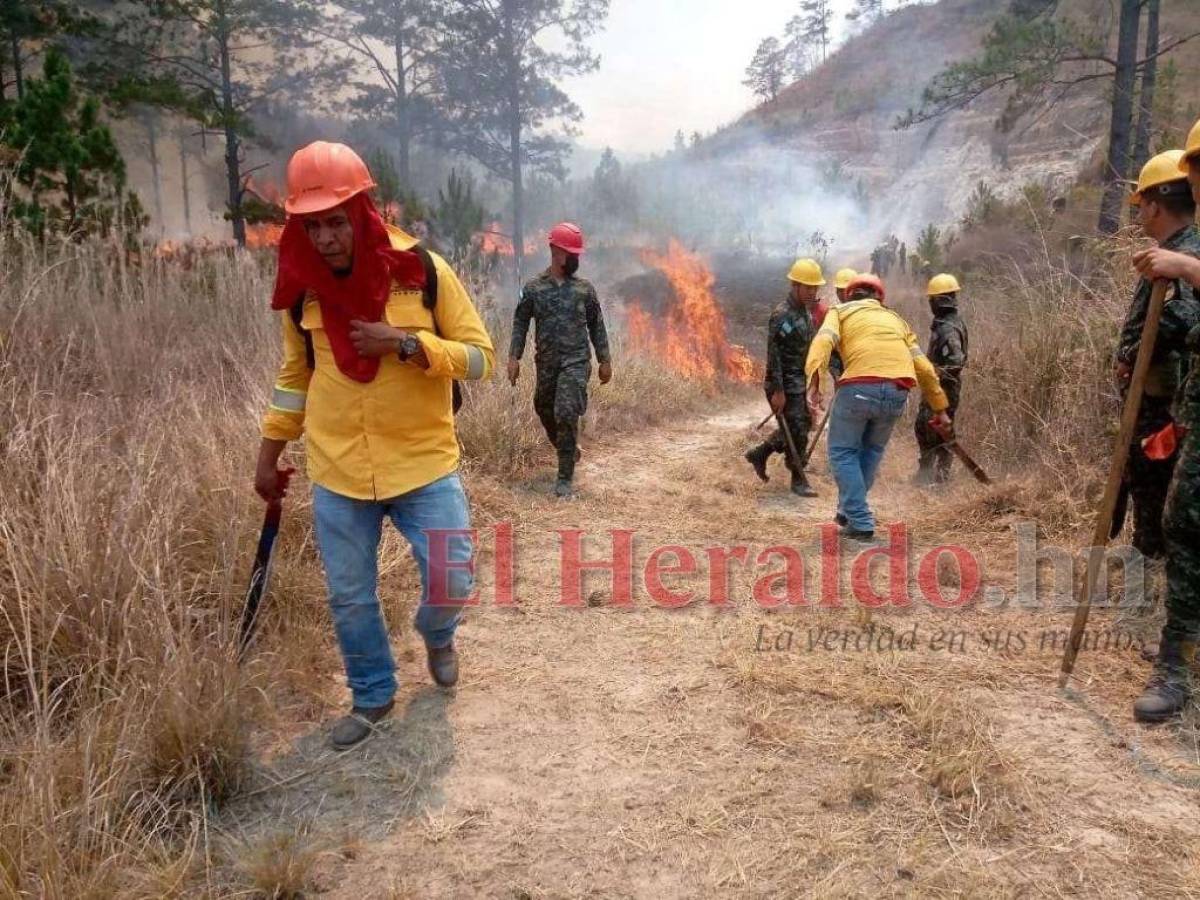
x,y
603,751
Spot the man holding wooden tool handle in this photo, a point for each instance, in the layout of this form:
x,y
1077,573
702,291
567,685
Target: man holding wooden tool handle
x,y
1170,322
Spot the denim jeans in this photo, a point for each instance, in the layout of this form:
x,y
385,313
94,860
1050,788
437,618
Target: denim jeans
x,y
348,533
859,427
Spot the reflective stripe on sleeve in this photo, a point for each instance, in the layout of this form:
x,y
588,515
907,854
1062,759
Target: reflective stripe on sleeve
x,y
916,352
286,400
475,363
831,334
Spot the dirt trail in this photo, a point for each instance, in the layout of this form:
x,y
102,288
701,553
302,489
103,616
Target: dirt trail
x,y
644,752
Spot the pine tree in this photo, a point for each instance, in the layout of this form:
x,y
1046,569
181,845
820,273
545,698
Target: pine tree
x,y
460,216
797,53
501,96
764,75
817,24
71,175
222,63
396,41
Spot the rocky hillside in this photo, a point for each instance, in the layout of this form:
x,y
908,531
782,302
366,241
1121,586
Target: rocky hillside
x,y
845,112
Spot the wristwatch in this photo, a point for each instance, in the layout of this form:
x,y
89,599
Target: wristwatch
x,y
410,346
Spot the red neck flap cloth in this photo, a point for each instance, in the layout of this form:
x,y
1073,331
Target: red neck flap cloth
x,y
360,295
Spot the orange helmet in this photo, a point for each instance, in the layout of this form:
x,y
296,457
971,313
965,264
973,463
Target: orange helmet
x,y
324,175
869,282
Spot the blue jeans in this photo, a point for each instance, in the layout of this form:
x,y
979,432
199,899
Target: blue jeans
x,y
859,427
348,534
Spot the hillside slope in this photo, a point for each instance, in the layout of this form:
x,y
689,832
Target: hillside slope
x,y
845,111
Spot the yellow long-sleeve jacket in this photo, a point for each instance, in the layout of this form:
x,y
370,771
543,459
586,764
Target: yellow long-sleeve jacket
x,y
394,434
874,343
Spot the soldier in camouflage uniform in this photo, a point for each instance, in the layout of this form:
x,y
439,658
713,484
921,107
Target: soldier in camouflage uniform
x,y
790,330
568,316
1165,214
1148,480
948,353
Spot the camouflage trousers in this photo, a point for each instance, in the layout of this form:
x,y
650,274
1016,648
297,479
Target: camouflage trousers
x,y
935,457
560,400
1181,528
795,414
1149,480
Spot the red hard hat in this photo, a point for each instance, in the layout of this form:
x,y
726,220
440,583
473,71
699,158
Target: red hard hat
x,y
866,281
567,236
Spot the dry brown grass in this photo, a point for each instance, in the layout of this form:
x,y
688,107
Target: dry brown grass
x,y
279,864
501,434
1040,403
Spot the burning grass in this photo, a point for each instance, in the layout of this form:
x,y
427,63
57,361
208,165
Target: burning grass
x,y
689,336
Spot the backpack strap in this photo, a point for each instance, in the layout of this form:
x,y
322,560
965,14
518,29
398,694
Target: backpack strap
x,y
430,291
429,299
297,315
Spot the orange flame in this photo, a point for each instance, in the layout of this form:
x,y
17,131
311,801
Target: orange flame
x,y
691,336
493,240
264,234
168,249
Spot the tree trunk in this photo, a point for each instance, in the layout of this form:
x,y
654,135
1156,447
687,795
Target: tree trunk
x,y
155,173
233,174
1117,167
513,65
183,181
18,73
403,122
1141,141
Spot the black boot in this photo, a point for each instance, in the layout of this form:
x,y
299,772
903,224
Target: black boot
x,y
1169,688
801,487
568,454
758,458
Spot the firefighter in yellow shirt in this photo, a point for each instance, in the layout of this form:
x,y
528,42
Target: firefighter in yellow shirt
x,y
376,330
883,362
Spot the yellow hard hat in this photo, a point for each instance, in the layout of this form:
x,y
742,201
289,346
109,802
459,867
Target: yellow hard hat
x,y
1162,169
843,278
942,284
806,271
1191,148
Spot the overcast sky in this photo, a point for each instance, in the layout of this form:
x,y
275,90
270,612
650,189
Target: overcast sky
x,y
666,65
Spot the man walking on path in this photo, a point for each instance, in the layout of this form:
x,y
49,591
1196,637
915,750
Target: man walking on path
x,y
790,331
375,329
883,363
948,354
568,316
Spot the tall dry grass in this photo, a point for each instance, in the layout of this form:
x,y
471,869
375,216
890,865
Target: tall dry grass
x,y
128,395
1039,397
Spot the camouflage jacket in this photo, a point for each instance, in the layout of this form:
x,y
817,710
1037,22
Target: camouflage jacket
x,y
1180,315
568,315
948,346
789,332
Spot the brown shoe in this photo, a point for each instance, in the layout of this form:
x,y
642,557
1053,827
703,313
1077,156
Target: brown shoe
x,y
358,725
443,664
